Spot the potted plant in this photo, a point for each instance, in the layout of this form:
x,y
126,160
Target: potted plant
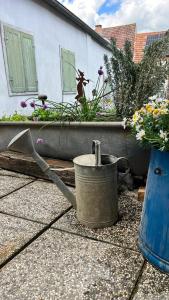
x,y
150,124
83,121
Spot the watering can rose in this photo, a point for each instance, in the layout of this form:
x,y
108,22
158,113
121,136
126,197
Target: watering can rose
x,y
150,124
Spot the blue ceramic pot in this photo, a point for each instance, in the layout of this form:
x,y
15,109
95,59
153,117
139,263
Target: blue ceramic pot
x,y
154,227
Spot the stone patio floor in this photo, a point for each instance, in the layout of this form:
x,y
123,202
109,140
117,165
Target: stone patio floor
x,y
45,254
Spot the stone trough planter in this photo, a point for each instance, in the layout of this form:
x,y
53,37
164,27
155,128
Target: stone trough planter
x,y
68,140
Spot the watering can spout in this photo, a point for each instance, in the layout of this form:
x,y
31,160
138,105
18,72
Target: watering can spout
x,y
23,142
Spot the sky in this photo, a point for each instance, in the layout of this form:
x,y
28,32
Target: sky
x,y
149,15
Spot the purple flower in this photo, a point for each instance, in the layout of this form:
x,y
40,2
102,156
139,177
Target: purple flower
x,y
45,106
100,71
32,104
23,104
40,141
42,97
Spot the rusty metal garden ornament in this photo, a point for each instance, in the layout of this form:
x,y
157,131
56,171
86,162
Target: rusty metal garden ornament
x,y
82,81
96,200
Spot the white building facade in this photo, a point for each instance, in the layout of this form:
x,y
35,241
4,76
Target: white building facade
x,y
41,45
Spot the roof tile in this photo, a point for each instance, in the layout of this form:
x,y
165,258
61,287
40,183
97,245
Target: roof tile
x,y
140,42
119,33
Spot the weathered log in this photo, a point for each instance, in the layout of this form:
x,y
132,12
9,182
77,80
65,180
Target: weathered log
x,y
17,162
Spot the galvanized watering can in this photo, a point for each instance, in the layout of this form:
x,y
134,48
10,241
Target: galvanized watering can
x,y
154,227
96,200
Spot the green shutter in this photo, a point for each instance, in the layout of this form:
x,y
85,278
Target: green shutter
x,y
14,60
72,72
65,71
28,52
68,71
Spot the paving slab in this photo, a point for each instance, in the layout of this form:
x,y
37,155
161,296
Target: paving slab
x,y
124,233
153,285
4,172
9,184
14,233
64,266
39,201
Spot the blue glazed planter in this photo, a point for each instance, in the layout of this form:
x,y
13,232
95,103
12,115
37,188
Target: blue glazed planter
x,y
154,227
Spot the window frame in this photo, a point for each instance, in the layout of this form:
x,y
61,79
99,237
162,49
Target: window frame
x,y
4,50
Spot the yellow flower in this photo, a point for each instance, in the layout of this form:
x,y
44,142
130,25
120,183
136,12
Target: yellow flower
x,y
163,111
149,108
156,111
142,110
136,116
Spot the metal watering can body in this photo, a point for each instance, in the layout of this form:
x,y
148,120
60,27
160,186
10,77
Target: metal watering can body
x,y
154,227
96,190
96,182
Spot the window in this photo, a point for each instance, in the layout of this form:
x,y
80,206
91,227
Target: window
x,y
68,71
20,59
153,38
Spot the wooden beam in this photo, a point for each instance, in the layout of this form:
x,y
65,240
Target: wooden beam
x,y
141,193
18,162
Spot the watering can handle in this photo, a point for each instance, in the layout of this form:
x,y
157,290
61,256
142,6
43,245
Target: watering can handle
x,y
124,158
96,150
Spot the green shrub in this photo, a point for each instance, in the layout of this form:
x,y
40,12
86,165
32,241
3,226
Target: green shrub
x,y
45,115
15,118
133,83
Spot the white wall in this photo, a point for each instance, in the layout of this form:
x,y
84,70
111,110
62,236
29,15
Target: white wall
x,y
50,31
